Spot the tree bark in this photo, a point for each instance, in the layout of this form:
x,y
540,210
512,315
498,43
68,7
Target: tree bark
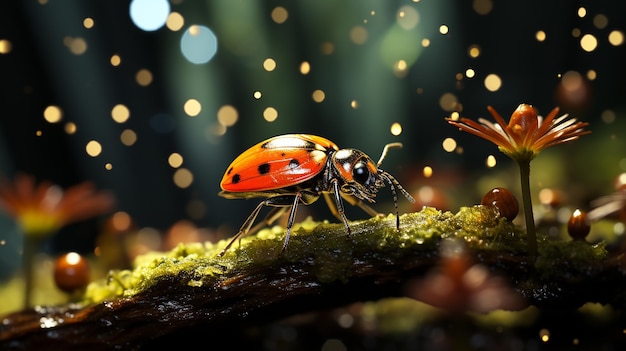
x,y
374,263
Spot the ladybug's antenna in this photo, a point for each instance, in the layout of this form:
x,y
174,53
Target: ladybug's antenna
x,y
385,150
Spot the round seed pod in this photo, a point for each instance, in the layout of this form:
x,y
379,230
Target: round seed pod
x,y
71,272
578,225
503,200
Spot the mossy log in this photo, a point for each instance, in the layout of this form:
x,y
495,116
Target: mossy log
x,y
193,296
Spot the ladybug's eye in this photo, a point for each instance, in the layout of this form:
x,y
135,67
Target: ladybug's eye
x,y
361,174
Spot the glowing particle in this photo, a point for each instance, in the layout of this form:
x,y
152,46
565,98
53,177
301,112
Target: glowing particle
x,y
396,129
318,95
400,68
143,77
582,12
53,114
358,35
616,38
493,82
490,161
448,102
192,107
257,95
305,67
455,116
227,115
270,114
120,113
345,320
128,137
600,21
327,48
175,21
576,32
198,44
77,46
183,178
5,46
149,15
93,148
407,17
443,29
473,51
115,60
588,42
482,7
354,104
470,73
88,22
425,42
540,35
269,64
279,14
70,128
175,160
608,117
449,144
108,166
427,171
592,74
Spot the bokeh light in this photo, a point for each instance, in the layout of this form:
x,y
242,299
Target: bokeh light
x,y
493,82
53,114
588,42
192,107
5,46
149,15
175,160
120,113
175,21
93,148
128,137
198,44
396,129
279,14
270,114
227,115
407,17
269,64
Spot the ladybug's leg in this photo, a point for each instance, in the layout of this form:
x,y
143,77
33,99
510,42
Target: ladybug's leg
x,y
336,206
245,227
292,217
281,202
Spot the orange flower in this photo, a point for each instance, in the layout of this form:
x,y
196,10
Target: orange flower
x,y
44,208
526,134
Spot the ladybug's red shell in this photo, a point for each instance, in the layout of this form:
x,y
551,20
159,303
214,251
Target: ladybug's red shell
x,y
278,162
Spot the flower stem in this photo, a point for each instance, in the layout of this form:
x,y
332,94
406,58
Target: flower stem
x,y
31,246
531,235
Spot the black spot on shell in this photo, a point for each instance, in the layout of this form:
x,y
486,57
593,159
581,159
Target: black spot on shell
x,y
294,163
264,168
236,178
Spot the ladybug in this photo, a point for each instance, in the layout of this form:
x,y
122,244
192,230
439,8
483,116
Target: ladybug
x,y
293,169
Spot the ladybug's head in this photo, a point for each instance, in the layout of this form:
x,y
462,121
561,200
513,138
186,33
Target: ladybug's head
x,y
359,173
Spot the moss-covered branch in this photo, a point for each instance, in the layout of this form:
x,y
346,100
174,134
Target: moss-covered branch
x,y
191,292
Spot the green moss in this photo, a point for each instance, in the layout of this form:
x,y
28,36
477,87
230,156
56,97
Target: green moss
x,y
331,253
